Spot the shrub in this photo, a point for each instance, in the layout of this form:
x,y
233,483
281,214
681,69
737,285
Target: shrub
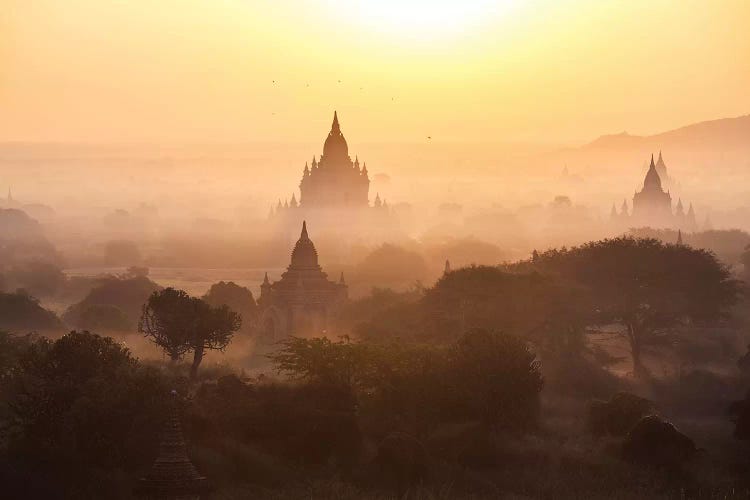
x,y
618,415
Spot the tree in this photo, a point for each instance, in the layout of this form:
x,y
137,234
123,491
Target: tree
x,y
128,294
179,323
20,312
78,406
391,265
40,278
235,297
498,376
103,317
319,360
647,286
525,303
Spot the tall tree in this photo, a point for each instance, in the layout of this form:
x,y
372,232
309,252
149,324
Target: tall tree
x,y
646,285
179,323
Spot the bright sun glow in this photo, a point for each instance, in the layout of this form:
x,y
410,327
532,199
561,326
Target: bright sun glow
x,y
424,19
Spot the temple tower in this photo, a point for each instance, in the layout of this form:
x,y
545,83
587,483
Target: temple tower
x,y
173,476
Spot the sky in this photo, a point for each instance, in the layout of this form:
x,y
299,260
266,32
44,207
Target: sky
x,y
228,71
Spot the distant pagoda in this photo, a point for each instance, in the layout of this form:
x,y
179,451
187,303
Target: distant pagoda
x,y
172,476
304,301
652,205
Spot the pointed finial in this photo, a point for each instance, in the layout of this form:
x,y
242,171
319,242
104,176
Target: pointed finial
x,y
341,279
652,160
265,279
335,125
679,236
447,266
303,235
10,195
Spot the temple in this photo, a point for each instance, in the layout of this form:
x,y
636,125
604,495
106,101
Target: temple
x,y
652,205
335,180
304,301
173,476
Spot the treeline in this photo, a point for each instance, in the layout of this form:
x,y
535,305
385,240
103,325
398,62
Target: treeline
x,y
478,386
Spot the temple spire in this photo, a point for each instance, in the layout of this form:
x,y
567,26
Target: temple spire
x,y
303,235
447,268
265,279
335,125
341,279
679,236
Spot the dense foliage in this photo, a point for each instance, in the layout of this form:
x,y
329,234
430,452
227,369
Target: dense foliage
x,y
237,298
647,286
179,323
20,312
126,293
76,407
489,377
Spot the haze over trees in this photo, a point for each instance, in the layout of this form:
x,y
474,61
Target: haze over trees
x,y
644,285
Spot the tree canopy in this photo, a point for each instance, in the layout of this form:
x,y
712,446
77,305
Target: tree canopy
x,y
644,284
179,323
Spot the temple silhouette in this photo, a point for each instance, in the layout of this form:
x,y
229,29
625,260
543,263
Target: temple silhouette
x,y
652,205
304,301
173,475
333,183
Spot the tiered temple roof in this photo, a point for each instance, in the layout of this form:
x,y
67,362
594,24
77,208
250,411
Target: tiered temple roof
x,y
173,475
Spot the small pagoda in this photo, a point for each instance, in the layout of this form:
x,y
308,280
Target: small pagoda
x,y
173,476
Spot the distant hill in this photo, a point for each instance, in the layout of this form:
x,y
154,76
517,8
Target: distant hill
x,y
723,134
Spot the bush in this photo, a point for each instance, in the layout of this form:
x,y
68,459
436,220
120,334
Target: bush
x,y
618,415
656,442
309,423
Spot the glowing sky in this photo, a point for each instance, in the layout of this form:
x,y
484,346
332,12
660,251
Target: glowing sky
x,y
396,70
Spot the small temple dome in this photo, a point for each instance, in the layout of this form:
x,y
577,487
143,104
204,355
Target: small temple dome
x,y
304,255
335,145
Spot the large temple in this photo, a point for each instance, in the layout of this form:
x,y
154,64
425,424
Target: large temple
x,y
335,181
304,301
652,205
